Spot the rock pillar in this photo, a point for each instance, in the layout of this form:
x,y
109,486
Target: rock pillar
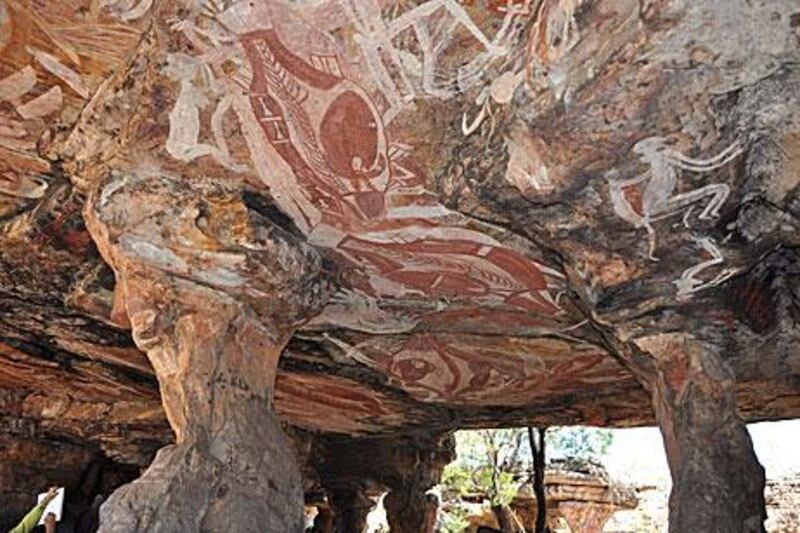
x,y
409,509
405,466
717,481
350,508
212,293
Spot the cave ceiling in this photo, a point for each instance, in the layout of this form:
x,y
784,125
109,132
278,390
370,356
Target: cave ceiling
x,y
504,196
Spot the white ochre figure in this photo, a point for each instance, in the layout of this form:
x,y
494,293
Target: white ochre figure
x,y
689,284
659,201
184,120
422,74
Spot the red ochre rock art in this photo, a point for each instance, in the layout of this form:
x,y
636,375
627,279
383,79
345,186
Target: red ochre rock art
x,y
240,220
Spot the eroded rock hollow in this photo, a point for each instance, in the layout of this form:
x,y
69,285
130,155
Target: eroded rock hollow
x,y
260,235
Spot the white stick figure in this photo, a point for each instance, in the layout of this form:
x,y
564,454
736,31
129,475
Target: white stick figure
x,y
659,200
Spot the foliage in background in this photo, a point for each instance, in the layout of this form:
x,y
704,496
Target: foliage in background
x,y
476,448
578,442
487,462
492,464
453,520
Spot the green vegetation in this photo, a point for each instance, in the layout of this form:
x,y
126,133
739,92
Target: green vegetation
x,y
492,464
579,442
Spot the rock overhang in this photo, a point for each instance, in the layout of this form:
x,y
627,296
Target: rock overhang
x,y
481,212
507,200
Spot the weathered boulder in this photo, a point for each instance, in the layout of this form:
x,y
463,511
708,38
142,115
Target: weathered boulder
x,y
580,493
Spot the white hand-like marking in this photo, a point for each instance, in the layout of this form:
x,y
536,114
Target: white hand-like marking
x,y
58,69
128,10
43,105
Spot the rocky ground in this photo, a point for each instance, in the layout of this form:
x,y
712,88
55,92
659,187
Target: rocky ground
x,y
650,516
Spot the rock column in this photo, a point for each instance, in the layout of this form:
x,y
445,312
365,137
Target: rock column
x,y
212,293
410,509
717,481
405,466
350,508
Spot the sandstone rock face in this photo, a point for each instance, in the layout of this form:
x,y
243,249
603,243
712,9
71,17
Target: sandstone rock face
x,y
212,298
585,496
437,213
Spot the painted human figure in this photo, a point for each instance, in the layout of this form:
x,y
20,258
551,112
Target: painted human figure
x,y
659,200
184,133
